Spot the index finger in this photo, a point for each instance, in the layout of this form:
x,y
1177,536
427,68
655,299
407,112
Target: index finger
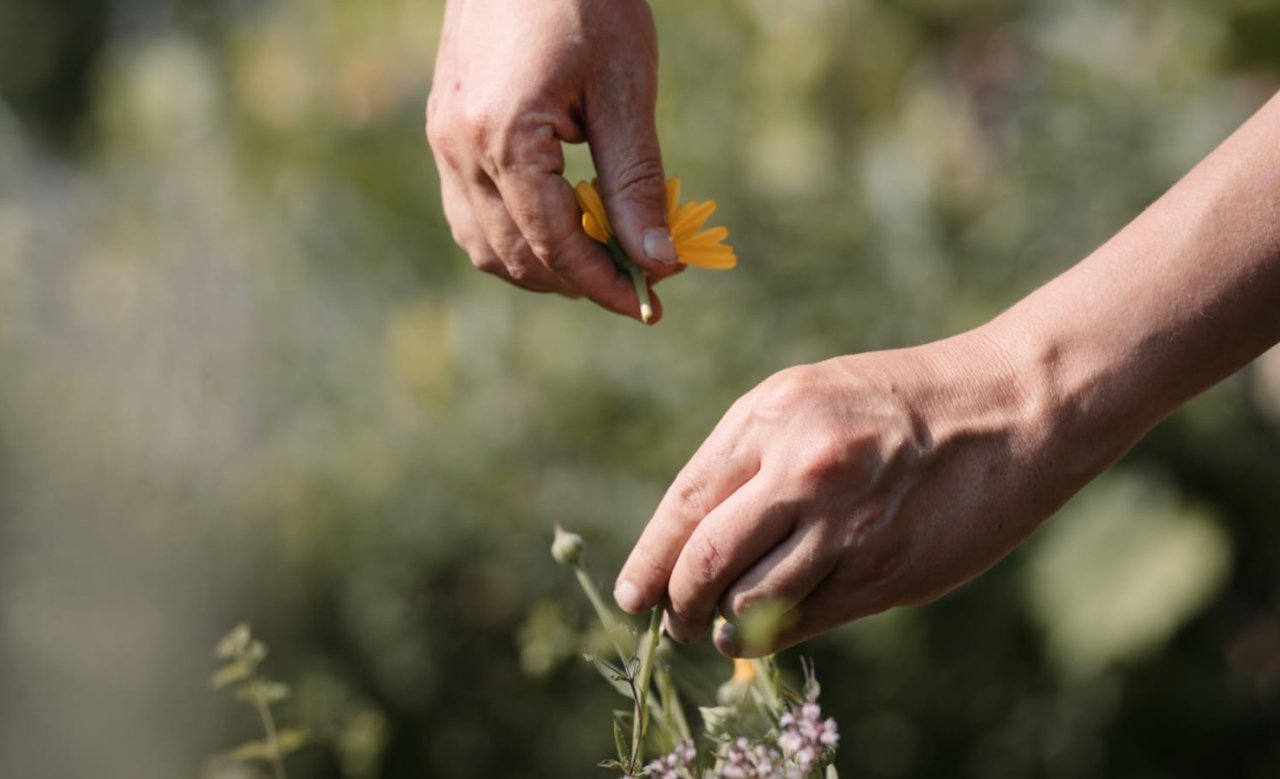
x,y
717,470
543,206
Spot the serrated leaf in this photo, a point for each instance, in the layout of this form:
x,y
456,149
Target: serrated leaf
x,y
229,674
233,643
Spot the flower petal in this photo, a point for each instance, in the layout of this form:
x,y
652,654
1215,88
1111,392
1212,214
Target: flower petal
x,y
710,259
589,201
593,229
690,217
673,199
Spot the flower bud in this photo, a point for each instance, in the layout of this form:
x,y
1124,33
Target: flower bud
x,y
567,547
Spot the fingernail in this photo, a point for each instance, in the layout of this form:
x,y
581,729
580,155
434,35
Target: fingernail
x,y
628,597
659,247
727,639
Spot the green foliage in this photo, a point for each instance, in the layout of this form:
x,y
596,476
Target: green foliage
x,y
244,371
753,730
242,655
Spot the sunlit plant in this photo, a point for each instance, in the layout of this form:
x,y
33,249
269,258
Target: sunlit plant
x,y
241,655
760,729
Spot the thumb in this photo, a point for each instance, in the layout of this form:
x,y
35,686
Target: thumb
x,y
628,162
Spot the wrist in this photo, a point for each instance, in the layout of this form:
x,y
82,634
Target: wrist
x,y
1075,399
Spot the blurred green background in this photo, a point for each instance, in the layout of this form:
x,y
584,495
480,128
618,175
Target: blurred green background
x,y
244,375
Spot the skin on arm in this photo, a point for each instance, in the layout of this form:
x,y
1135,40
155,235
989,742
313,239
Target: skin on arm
x,y
847,487
513,80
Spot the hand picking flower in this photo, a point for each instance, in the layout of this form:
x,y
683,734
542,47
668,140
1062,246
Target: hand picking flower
x,y
694,245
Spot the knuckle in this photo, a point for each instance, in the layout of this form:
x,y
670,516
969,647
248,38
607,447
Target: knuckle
x,y
478,124
516,146
487,263
641,179
437,138
645,570
826,456
557,256
441,132
780,395
522,273
691,498
682,616
735,604
462,238
706,557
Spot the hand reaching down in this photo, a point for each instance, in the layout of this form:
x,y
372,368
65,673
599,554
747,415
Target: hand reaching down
x,y
847,487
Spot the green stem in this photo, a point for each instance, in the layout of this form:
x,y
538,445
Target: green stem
x,y
607,619
671,707
273,743
633,270
642,688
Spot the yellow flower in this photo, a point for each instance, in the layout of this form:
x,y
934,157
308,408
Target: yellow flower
x,y
694,246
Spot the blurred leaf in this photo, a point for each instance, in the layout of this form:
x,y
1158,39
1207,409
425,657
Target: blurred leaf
x,y
620,740
286,741
545,639
761,624
255,653
262,692
229,674
234,642
1122,567
719,721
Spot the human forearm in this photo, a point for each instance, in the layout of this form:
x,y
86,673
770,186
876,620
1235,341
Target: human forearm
x,y
869,481
1184,296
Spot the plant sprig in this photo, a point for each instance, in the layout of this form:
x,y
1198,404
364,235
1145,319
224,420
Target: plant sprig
x,y
242,655
762,728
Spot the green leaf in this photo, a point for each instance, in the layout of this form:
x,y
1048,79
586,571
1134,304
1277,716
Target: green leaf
x,y
717,721
613,677
620,740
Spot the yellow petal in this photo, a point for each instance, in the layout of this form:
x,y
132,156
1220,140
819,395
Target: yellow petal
x,y
593,228
690,217
711,260
713,235
589,200
673,199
